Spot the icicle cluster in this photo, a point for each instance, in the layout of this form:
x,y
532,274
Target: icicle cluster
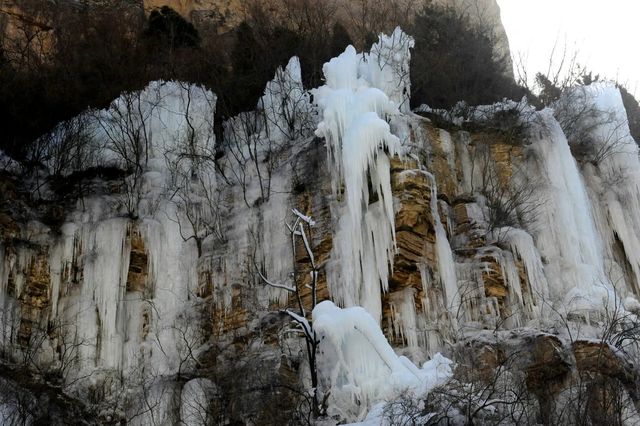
x,y
355,109
101,324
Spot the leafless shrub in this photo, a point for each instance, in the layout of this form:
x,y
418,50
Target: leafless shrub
x,y
151,393
478,394
244,147
67,148
252,156
581,119
18,406
510,199
125,128
286,109
404,410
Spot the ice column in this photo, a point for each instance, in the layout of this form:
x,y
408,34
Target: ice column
x,y
356,102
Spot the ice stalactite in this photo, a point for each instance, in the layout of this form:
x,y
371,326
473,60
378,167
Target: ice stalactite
x,y
63,262
100,311
434,328
515,308
440,300
403,320
446,263
174,132
522,246
355,104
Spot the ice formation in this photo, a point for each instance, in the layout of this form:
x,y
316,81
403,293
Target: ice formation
x,y
446,264
387,67
286,105
356,103
570,258
575,271
359,367
254,142
106,324
613,184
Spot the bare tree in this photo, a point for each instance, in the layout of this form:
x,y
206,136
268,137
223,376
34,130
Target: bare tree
x,y
300,228
125,127
190,337
67,148
368,18
26,43
193,184
581,119
199,203
252,155
285,107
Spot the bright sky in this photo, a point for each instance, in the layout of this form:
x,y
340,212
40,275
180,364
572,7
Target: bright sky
x,y
605,33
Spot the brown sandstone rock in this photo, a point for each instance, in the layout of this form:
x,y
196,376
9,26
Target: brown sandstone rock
x,y
138,262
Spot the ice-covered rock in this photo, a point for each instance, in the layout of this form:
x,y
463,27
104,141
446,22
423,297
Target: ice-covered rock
x,y
358,367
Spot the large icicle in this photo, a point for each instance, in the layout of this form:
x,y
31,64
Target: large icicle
x,y
359,143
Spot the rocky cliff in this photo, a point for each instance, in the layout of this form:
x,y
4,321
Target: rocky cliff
x,y
23,19
152,274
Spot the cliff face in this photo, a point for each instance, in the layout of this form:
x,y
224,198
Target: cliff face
x,y
20,19
224,15
136,283
28,27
